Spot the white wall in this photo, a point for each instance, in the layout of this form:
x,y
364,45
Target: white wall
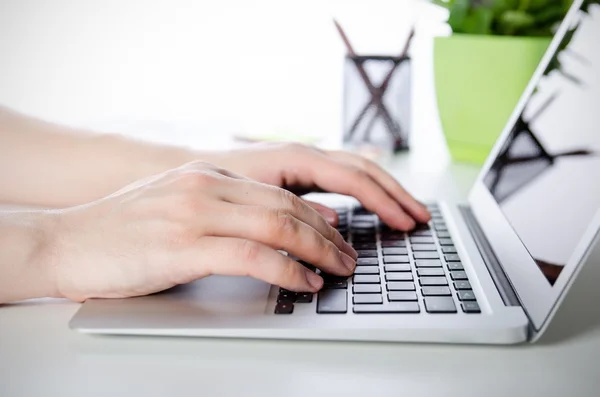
x,y
159,67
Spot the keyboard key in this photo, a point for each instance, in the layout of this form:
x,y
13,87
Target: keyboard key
x,y
364,218
366,289
396,259
367,299
426,255
432,281
364,246
428,263
446,241
430,272
421,240
402,296
366,279
423,247
396,243
438,304
470,307
287,296
455,266
366,233
392,236
443,234
366,270
404,276
363,238
395,307
304,297
360,210
436,291
395,251
332,301
421,233
449,249
458,275
284,308
466,295
335,284
460,285
401,286
367,253
362,224
452,258
367,262
440,228
397,267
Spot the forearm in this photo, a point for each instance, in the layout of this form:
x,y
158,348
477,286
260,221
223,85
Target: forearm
x,y
48,165
26,256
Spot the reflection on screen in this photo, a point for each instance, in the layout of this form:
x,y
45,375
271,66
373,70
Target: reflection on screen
x,y
546,178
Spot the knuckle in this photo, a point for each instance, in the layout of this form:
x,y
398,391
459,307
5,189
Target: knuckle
x,y
290,200
359,173
285,224
198,180
249,251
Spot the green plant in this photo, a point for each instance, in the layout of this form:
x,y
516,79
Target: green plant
x,y
505,17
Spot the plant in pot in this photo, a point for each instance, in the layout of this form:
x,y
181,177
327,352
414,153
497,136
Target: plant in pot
x,y
482,69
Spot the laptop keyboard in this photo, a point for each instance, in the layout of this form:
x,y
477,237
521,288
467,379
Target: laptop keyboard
x,y
396,272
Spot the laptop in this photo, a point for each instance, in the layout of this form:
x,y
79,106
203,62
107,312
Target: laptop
x,y
492,270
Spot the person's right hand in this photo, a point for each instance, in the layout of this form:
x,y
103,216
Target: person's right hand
x,y
186,224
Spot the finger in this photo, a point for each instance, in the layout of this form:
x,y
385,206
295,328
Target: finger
x,y
328,213
247,192
416,209
240,257
279,230
338,177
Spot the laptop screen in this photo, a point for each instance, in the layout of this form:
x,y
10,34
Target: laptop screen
x,y
546,177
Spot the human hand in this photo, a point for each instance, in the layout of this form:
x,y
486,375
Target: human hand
x,y
188,223
302,168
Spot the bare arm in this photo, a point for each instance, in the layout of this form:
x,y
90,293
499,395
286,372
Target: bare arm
x,y
48,165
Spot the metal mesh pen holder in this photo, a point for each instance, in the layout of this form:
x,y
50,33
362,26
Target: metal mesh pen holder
x,y
377,101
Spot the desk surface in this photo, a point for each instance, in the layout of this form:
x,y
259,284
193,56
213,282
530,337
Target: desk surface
x,y
39,354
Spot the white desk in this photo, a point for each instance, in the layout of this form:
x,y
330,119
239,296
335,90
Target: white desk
x,y
39,355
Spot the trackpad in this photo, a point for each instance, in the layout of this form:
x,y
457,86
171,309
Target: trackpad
x,y
220,296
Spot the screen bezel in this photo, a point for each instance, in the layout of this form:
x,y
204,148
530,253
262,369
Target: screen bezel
x,y
537,296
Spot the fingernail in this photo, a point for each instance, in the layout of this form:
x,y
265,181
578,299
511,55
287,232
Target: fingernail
x,y
331,218
348,261
314,280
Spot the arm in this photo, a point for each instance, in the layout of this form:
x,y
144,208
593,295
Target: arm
x,y
48,165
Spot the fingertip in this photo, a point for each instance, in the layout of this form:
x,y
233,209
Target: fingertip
x,y
314,280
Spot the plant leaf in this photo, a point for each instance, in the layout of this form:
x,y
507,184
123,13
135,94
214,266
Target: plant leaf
x,y
479,21
513,20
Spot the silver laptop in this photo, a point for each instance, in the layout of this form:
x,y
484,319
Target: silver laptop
x,y
493,270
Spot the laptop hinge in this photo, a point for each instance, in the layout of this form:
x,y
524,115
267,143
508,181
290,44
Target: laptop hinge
x,y
489,258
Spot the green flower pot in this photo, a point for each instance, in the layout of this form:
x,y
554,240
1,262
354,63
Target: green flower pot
x,y
479,80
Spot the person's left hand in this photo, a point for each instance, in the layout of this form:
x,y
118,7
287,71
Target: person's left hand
x,y
303,169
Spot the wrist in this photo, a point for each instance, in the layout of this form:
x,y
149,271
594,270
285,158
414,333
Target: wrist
x,y
28,255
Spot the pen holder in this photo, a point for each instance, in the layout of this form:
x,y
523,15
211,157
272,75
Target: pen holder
x,y
377,98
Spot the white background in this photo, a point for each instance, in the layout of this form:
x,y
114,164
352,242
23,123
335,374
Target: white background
x,y
177,70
